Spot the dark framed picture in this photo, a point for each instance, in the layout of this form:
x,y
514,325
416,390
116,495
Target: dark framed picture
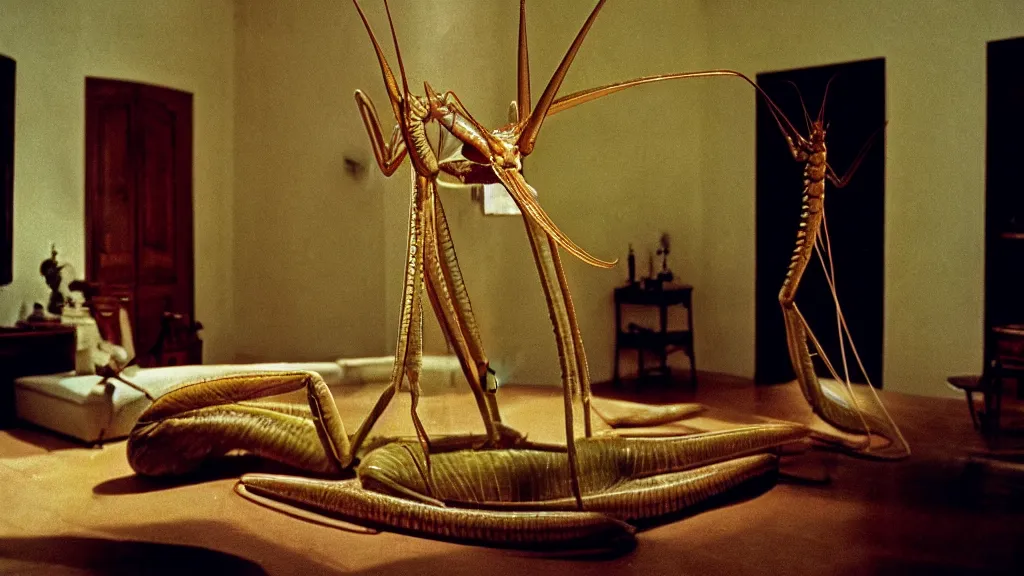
x,y
7,68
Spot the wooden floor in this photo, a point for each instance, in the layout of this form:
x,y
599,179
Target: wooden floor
x,y
67,509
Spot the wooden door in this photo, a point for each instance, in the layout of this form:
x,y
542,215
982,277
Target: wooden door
x,y
139,200
1004,212
855,214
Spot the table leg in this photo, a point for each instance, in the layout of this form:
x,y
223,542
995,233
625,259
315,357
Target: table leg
x,y
970,407
618,337
640,363
693,339
992,393
999,406
663,309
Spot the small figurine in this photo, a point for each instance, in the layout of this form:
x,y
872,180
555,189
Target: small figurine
x,y
51,271
665,275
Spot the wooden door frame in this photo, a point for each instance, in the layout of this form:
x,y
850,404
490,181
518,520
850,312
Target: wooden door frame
x,y
181,102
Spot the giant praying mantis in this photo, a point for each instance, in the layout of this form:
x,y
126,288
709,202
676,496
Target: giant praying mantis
x,y
488,157
398,487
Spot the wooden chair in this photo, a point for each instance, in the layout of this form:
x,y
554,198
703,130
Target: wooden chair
x,y
971,385
1006,363
177,343
111,316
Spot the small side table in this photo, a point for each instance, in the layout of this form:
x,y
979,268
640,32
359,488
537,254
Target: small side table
x,y
660,341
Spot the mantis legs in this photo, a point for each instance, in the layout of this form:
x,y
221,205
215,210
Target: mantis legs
x,y
544,255
430,252
190,423
452,306
433,254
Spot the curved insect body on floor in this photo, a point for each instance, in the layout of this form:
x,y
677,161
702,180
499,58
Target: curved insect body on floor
x,y
518,497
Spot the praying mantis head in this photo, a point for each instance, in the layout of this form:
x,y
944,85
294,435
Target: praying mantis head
x,y
497,155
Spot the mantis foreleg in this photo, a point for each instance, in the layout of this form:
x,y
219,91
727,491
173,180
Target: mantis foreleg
x,y
198,409
389,154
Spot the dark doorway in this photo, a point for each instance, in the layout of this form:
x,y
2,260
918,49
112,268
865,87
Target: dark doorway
x,y
7,72
855,216
138,202
1004,210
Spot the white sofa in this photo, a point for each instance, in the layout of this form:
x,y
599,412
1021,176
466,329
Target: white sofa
x,y
84,408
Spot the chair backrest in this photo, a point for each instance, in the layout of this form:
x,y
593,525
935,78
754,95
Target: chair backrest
x,y
1009,348
111,315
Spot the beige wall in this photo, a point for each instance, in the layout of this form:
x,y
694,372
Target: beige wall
x,y
935,170
182,45
298,65
308,237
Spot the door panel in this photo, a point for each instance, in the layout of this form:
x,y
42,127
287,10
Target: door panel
x,y
156,210
1004,195
115,192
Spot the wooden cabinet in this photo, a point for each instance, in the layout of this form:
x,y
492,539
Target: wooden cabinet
x,y
139,201
27,351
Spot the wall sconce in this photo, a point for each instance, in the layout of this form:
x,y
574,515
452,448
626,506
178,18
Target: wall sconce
x,y
355,168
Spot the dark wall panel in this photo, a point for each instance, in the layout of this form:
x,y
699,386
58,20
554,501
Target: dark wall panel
x,y
7,73
854,111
